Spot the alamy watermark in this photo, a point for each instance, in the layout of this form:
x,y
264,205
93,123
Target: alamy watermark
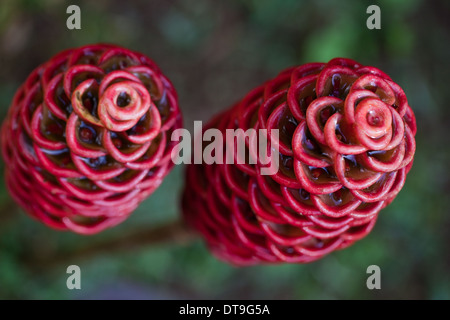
x,y
74,20
74,280
374,20
235,146
374,280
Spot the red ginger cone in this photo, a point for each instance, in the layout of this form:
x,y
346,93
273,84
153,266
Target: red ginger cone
x,y
346,143
87,137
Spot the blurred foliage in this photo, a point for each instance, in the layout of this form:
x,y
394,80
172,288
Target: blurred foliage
x,y
214,52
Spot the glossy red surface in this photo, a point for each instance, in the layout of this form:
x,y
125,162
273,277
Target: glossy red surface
x,y
87,137
346,145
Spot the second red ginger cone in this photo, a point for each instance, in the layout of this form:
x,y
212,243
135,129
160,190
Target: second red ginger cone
x,y
87,137
346,144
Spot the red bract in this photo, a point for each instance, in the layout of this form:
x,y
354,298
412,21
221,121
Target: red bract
x,y
87,137
346,143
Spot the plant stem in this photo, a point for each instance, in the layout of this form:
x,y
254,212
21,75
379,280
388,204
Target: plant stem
x,y
173,232
8,211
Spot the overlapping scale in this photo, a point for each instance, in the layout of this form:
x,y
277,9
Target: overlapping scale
x,y
346,144
87,137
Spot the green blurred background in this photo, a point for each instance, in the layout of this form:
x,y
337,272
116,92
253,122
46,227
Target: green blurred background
x,y
214,52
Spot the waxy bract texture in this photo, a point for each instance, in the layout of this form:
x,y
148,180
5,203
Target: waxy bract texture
x,y
87,137
346,145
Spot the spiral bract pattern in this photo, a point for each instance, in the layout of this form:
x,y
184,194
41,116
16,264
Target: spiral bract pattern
x,y
87,137
346,143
